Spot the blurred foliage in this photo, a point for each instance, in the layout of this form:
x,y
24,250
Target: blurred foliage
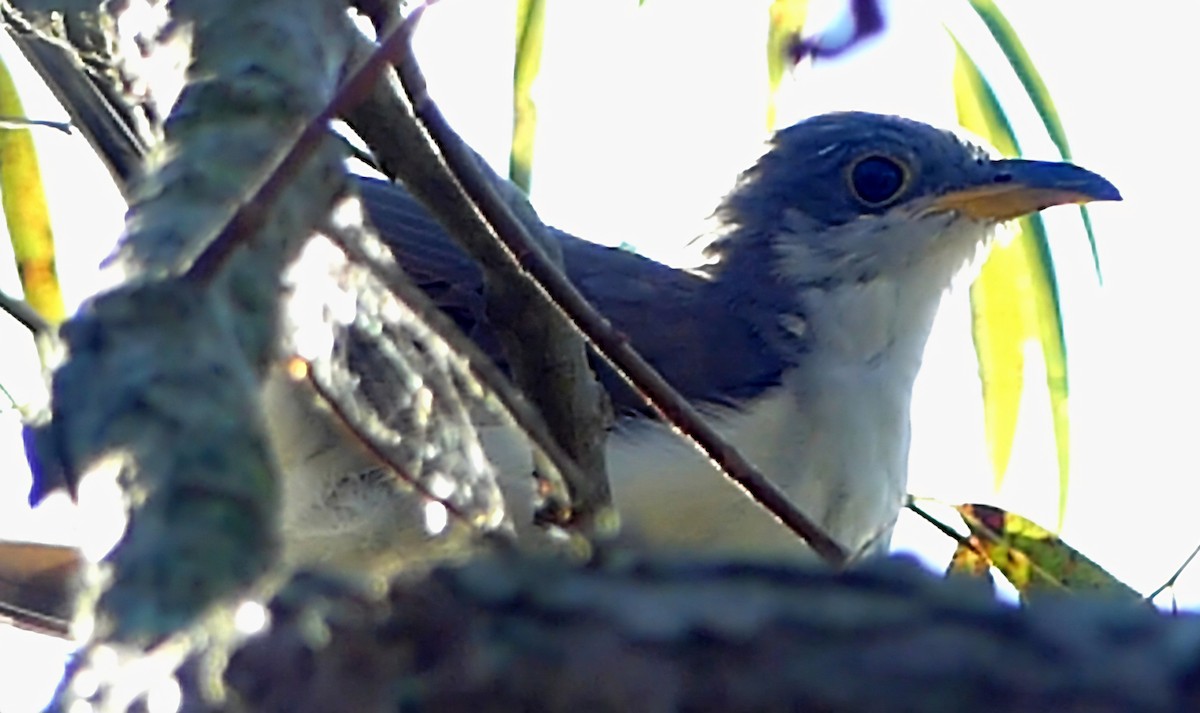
x,y
25,211
786,23
531,24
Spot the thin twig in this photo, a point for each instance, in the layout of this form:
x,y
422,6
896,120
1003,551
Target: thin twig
x,y
1174,577
546,354
941,526
12,402
9,122
973,543
21,311
658,394
250,213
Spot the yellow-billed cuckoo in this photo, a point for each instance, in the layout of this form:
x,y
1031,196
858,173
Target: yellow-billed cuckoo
x,y
800,340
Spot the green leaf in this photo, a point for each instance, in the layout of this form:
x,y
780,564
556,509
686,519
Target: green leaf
x,y
1015,299
1006,37
1034,559
25,210
531,24
786,23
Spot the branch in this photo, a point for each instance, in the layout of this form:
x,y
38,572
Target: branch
x,y
546,354
73,49
163,372
522,634
24,314
385,109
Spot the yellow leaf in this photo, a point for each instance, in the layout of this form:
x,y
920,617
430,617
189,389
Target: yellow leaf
x,y
1015,300
531,28
25,210
1034,559
1031,79
786,22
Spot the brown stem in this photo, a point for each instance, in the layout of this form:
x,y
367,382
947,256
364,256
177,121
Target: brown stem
x,y
545,352
658,394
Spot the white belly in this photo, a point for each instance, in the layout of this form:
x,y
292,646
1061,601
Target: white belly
x,y
848,474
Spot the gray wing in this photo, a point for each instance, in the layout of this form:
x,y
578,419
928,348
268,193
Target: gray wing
x,y
691,333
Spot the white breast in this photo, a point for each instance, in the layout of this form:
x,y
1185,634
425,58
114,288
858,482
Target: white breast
x,y
834,435
836,449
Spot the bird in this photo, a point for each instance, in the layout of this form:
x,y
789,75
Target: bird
x,y
799,339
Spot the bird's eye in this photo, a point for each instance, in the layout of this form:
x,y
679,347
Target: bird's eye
x,y
875,180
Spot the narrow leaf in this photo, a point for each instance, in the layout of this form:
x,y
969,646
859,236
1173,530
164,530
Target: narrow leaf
x,y
1015,300
785,25
25,210
1030,78
531,22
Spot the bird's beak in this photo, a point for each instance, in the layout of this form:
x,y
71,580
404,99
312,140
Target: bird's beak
x,y
1011,188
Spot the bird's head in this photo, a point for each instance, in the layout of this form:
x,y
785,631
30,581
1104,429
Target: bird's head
x,y
847,197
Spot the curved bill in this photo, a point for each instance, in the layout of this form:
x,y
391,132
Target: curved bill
x,y
1011,188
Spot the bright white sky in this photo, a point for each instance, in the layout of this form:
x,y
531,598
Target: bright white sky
x,y
646,115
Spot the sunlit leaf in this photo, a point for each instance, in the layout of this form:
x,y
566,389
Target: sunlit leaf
x,y
25,210
1006,37
531,22
1034,559
1015,299
785,24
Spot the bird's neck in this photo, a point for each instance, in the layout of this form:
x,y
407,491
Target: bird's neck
x,y
875,326
835,434
874,320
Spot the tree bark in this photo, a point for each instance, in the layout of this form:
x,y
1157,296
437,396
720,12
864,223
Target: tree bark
x,y
537,635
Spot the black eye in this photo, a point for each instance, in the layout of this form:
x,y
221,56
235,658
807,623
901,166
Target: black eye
x,y
877,179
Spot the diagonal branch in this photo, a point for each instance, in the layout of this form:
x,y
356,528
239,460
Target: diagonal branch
x,y
512,404
161,374
547,356
26,315
556,288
